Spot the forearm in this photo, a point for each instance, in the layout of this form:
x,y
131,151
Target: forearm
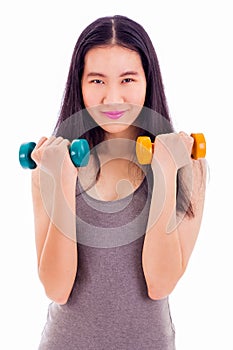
x,y
58,260
170,238
162,254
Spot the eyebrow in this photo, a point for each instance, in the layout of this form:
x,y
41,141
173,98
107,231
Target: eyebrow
x,y
131,72
98,74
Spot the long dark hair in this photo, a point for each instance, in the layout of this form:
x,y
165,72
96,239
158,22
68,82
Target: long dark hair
x,y
122,31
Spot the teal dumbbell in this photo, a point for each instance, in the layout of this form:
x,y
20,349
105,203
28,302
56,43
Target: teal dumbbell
x,y
79,153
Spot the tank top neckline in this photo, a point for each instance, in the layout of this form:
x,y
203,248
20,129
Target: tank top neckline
x,y
113,202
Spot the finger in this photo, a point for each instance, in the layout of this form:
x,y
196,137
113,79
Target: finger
x,y
50,140
57,140
182,133
66,142
41,141
187,140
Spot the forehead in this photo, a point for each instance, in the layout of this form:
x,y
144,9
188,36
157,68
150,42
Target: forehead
x,y
114,57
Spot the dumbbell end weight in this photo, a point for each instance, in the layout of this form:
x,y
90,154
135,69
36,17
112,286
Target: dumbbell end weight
x,y
25,159
144,150
79,152
199,146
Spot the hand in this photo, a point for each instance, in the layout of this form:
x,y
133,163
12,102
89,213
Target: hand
x,y
172,151
52,156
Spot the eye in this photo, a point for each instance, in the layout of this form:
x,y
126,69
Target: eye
x,y
127,80
97,81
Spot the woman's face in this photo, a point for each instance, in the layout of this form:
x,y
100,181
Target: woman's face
x,y
113,86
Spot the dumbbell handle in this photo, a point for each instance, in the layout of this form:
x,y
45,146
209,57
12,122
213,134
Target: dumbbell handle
x,y
79,153
145,148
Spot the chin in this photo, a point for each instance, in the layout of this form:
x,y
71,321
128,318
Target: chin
x,y
115,128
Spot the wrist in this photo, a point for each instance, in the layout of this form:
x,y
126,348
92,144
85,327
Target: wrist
x,y
166,169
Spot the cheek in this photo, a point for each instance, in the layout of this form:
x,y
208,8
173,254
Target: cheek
x,y
85,95
91,97
137,96
87,99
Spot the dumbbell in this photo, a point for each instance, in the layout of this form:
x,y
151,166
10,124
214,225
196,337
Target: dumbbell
x,y
145,148
79,153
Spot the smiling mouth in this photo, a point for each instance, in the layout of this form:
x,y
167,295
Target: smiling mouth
x,y
114,114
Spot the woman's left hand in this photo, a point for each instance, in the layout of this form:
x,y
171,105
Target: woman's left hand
x,y
172,150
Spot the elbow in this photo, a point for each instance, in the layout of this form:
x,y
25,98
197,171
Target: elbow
x,y
161,290
58,298
57,293
157,294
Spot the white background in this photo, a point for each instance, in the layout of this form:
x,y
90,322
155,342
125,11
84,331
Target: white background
x,y
193,40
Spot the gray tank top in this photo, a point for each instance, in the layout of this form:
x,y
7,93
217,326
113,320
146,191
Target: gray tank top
x,y
109,308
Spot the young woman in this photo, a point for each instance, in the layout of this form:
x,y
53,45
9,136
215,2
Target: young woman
x,y
114,237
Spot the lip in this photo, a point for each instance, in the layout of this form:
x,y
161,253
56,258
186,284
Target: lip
x,y
114,114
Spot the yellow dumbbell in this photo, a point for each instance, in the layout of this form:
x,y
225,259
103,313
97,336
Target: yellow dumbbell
x,y
145,148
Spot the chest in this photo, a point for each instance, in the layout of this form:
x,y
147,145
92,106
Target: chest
x,y
117,179
106,224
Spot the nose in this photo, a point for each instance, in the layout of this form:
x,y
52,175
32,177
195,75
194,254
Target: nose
x,y
113,94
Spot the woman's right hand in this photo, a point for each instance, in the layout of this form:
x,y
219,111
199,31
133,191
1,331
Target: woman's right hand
x,y
52,156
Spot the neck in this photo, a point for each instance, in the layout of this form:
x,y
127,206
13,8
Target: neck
x,y
116,148
130,133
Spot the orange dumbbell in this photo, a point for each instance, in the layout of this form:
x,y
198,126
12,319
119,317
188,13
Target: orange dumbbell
x,y
145,148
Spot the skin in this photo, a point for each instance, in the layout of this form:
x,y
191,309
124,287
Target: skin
x,y
53,194
114,79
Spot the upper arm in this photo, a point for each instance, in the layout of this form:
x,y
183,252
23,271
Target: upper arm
x,y
189,227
